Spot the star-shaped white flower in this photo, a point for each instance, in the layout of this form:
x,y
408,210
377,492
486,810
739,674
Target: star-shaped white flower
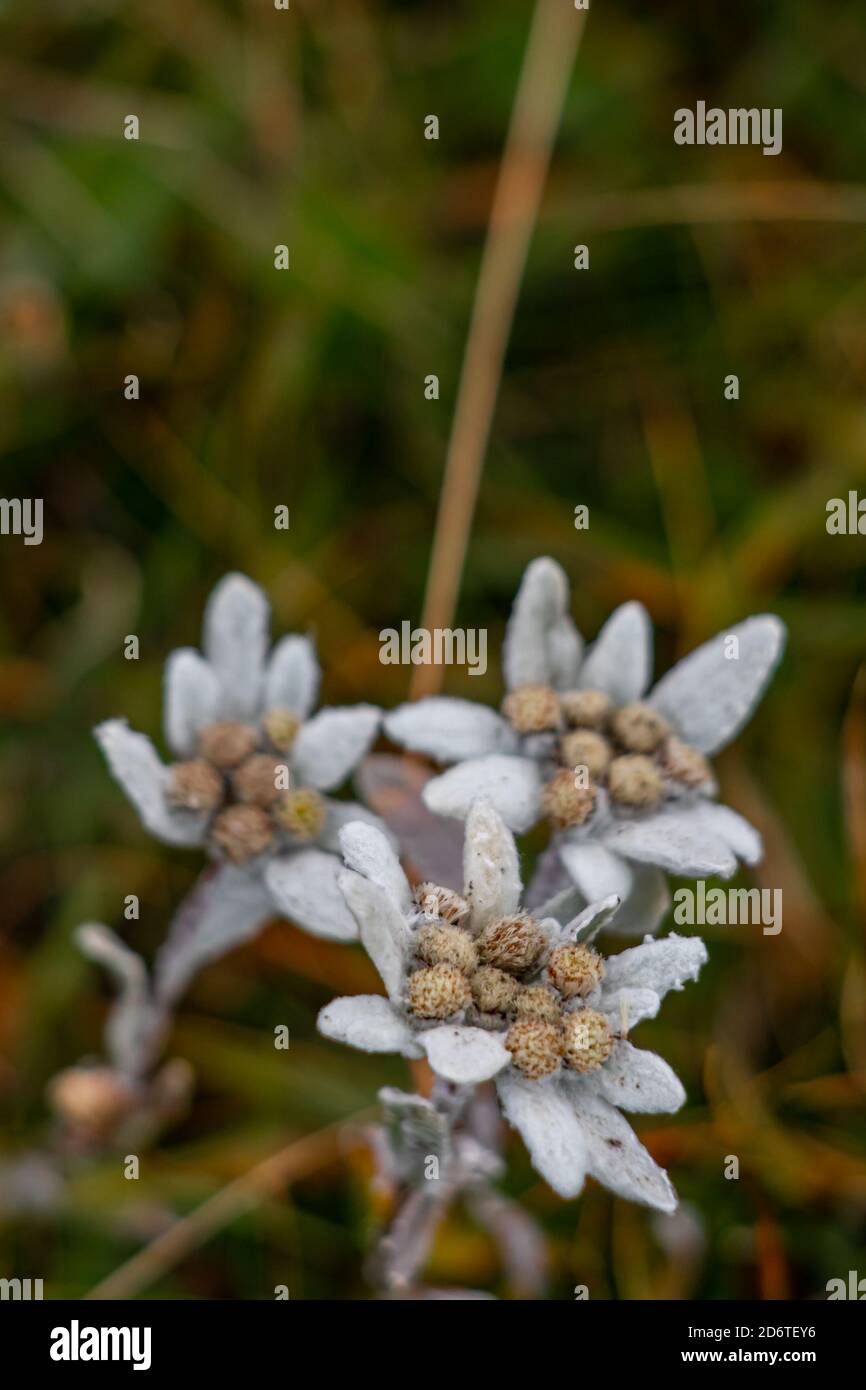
x,y
483,990
620,774
253,766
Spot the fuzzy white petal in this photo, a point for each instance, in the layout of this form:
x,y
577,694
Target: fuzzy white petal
x,y
708,696
227,907
597,872
734,829
619,662
539,609
382,928
339,814
593,919
637,1080
304,888
235,642
563,907
615,1156
677,841
491,869
626,1008
466,1056
450,730
511,785
136,765
565,646
292,676
656,965
545,1118
368,1022
643,911
192,699
366,850
332,743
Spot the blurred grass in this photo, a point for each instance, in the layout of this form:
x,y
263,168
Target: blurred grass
x,y
306,389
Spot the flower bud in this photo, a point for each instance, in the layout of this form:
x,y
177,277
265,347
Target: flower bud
x,y
195,786
281,728
437,992
639,727
226,743
537,1001
442,945
532,708
242,832
434,901
685,764
586,709
301,813
584,748
564,802
535,1047
255,781
513,944
91,1098
575,969
634,780
587,1039
493,990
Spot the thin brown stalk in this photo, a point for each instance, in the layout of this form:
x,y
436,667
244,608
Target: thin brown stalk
x,y
854,787
291,1163
553,39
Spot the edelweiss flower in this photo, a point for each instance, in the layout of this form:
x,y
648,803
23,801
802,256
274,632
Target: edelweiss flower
x,y
485,990
621,776
252,766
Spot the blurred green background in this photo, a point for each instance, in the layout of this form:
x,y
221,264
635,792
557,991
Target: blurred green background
x,y
305,388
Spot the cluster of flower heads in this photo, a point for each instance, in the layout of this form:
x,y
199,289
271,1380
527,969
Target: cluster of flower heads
x,y
510,976
630,752
253,763
618,770
484,989
484,984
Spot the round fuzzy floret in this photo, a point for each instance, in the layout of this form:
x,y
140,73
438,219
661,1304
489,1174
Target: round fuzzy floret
x,y
564,802
585,748
685,764
575,970
301,813
513,944
92,1098
587,1039
227,743
586,709
444,903
438,991
639,728
443,945
242,832
531,709
537,1001
255,781
494,991
281,728
535,1046
195,786
634,780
